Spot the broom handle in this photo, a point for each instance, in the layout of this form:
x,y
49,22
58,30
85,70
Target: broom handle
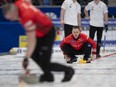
x,y
104,42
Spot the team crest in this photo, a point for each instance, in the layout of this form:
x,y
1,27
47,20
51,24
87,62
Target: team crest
x,y
72,41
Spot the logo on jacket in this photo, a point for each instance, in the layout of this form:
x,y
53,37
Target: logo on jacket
x,y
80,40
72,41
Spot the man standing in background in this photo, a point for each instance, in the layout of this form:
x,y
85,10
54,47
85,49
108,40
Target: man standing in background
x,y
70,15
98,13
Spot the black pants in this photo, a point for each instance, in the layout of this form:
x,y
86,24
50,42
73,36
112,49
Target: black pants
x,y
67,29
71,52
99,31
42,54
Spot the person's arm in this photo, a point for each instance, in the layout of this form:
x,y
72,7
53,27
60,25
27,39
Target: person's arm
x,y
62,12
31,40
86,9
30,27
93,45
86,14
31,43
66,40
91,42
106,21
79,16
93,56
105,13
106,18
79,19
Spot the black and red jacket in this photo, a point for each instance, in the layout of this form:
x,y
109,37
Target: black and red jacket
x,y
78,43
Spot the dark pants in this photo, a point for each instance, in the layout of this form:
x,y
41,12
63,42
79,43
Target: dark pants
x,y
71,52
99,31
43,51
67,29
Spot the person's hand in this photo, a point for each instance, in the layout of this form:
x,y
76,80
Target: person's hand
x,y
93,57
25,62
106,27
25,65
61,22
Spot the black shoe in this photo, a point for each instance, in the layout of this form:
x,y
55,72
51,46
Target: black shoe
x,y
98,56
46,78
88,62
68,75
72,60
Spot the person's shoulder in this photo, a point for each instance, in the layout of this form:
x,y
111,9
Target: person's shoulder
x,y
69,36
18,2
78,4
102,3
82,35
90,3
66,1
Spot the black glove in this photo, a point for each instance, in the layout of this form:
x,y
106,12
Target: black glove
x,y
25,62
106,27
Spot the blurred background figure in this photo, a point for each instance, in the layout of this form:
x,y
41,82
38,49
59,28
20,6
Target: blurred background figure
x,y
46,2
98,14
70,15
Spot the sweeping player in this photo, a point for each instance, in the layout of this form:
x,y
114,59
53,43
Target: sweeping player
x,y
40,36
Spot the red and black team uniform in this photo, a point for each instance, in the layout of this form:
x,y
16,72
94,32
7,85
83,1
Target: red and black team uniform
x,y
81,45
34,20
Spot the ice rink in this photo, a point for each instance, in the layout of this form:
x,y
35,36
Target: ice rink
x,y
99,73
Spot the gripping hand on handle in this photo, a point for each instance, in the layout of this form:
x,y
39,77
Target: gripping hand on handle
x,y
106,27
25,65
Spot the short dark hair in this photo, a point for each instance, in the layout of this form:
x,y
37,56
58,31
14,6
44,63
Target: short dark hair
x,y
7,8
77,27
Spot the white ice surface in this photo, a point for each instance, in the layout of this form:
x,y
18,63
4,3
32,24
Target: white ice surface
x,y
100,73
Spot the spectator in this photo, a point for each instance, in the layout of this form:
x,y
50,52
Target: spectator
x,y
46,2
